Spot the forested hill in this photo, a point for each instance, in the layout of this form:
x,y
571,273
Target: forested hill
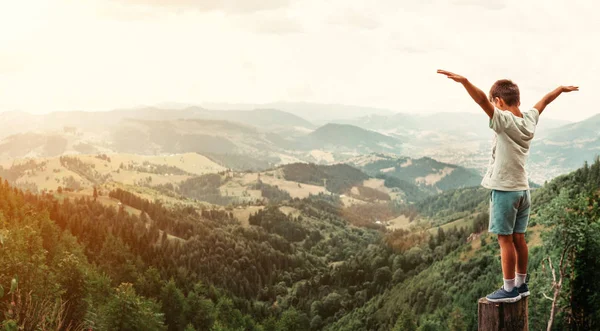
x,y
426,173
444,296
298,264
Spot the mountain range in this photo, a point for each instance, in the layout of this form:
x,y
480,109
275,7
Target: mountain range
x,y
284,136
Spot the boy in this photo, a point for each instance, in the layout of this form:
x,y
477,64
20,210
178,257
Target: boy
x,y
506,176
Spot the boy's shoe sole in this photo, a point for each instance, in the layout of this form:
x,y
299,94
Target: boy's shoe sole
x,y
524,294
509,300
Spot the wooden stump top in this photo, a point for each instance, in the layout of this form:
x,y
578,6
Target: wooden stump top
x,y
503,316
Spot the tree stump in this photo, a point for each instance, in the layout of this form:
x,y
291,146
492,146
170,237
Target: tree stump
x,y
502,316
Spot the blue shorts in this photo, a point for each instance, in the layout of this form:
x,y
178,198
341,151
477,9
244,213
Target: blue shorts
x,y
509,211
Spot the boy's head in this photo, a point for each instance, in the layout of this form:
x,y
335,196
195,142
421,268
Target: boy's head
x,y
504,93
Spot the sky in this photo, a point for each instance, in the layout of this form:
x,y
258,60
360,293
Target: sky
x,y
100,55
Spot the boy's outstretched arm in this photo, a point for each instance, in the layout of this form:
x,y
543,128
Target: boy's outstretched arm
x,y
477,94
553,95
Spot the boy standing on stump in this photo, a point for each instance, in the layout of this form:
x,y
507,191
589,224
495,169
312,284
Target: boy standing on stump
x,y
506,177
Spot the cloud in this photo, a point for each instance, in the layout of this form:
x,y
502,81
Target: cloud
x,y
270,23
487,4
11,63
355,18
128,13
302,91
419,36
276,26
228,6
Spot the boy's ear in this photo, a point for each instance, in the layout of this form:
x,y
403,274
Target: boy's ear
x,y
497,101
501,102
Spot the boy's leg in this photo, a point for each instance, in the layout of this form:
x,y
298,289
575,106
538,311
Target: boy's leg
x,y
522,257
503,214
507,256
519,239
522,252
509,291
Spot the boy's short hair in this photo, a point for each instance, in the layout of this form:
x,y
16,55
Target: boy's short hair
x,y
506,90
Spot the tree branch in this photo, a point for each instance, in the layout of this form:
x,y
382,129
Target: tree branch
x,y
553,271
547,297
557,286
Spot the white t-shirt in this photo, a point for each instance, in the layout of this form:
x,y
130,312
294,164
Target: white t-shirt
x,y
510,148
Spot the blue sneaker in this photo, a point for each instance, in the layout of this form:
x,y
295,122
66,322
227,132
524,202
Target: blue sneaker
x,y
503,295
523,290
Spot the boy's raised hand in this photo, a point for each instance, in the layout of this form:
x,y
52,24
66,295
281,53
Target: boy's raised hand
x,y
548,98
568,89
453,76
477,94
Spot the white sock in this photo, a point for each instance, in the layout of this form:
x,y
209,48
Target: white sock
x,y
509,284
520,280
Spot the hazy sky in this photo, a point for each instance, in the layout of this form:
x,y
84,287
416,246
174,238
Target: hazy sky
x,y
97,55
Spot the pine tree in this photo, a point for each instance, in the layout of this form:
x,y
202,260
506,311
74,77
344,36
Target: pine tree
x,y
173,306
457,320
200,311
406,321
293,320
126,311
